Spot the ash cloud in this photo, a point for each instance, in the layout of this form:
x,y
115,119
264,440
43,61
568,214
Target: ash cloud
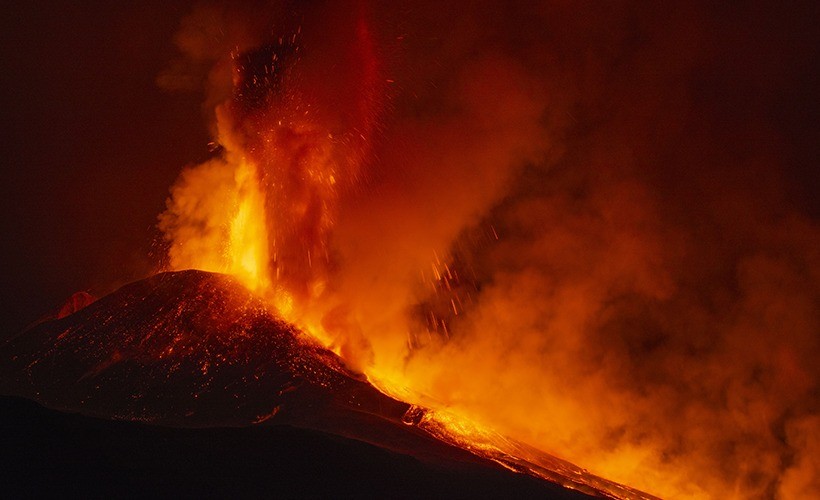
x,y
650,307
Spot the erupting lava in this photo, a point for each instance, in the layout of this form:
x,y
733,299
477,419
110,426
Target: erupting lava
x,y
290,145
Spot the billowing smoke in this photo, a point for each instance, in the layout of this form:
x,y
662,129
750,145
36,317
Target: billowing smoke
x,y
571,222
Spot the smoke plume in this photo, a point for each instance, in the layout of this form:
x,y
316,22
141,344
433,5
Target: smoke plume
x,y
571,222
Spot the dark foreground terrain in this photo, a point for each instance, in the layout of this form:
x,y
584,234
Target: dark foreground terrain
x,y
49,453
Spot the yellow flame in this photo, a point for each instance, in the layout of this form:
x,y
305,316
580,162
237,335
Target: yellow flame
x,y
247,248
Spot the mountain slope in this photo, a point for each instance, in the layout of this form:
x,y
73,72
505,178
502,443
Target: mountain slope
x,y
195,350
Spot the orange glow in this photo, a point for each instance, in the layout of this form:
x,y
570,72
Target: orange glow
x,y
216,222
447,246
268,209
247,248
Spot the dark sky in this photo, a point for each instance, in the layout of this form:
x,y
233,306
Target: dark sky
x,y
91,144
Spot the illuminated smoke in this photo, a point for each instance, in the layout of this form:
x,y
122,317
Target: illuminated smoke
x,y
567,222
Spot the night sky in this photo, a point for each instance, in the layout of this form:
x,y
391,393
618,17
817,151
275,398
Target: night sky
x,y
90,146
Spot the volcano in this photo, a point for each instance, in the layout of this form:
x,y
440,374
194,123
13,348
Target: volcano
x,y
189,349
196,356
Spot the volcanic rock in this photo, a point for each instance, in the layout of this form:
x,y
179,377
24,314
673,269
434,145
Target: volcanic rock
x,y
187,349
